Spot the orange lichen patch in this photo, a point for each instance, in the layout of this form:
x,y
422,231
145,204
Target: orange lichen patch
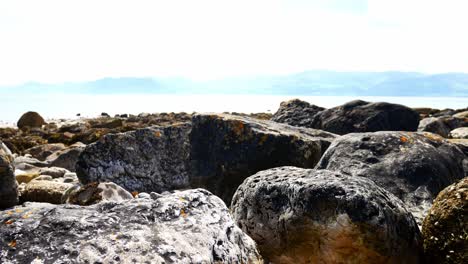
x,y
26,215
183,213
9,213
9,222
134,193
157,134
12,243
18,211
403,139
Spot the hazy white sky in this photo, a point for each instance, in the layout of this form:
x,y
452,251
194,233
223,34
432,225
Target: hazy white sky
x,y
60,40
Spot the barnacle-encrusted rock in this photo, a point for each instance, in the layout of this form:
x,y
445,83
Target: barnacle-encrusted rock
x,y
445,228
413,166
146,160
319,216
215,151
192,226
8,185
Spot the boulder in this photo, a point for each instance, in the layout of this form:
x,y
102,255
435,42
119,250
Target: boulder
x,y
226,149
192,226
29,163
66,158
215,151
95,192
8,185
30,120
296,113
26,177
41,152
463,114
46,191
145,160
442,125
319,216
445,227
461,132
361,116
55,172
413,166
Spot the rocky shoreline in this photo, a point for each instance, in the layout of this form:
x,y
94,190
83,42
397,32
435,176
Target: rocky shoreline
x,y
358,183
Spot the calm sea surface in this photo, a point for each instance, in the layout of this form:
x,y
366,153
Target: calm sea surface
x,y
67,106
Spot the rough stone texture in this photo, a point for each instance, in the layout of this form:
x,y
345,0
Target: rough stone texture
x,y
319,216
463,114
361,116
28,163
216,152
8,185
445,229
30,120
226,149
413,166
43,151
26,177
44,191
55,172
461,132
192,226
442,125
66,158
150,159
296,113
95,192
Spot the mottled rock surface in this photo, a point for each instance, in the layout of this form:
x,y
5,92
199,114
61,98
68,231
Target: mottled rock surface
x,y
30,120
41,152
66,158
319,216
413,166
8,185
442,125
461,132
95,192
445,229
226,149
297,113
192,226
45,190
146,160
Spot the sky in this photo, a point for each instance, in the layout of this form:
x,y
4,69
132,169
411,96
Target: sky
x,y
60,40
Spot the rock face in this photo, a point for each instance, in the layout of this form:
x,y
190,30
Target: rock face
x,y
95,192
296,113
192,226
216,152
445,227
319,216
461,132
30,120
413,166
146,160
41,152
46,191
361,116
226,149
8,185
66,158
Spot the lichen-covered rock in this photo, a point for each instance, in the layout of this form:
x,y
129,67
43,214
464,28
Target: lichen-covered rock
x,y
226,149
150,159
192,226
296,113
26,177
8,185
319,216
30,120
46,191
361,116
95,192
445,228
461,132
41,152
413,166
66,158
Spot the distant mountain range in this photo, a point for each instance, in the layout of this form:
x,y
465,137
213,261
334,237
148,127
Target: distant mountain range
x,y
305,83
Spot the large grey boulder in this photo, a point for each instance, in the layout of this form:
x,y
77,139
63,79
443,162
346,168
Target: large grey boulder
x,y
8,185
319,216
147,160
192,226
296,113
216,152
413,166
226,149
